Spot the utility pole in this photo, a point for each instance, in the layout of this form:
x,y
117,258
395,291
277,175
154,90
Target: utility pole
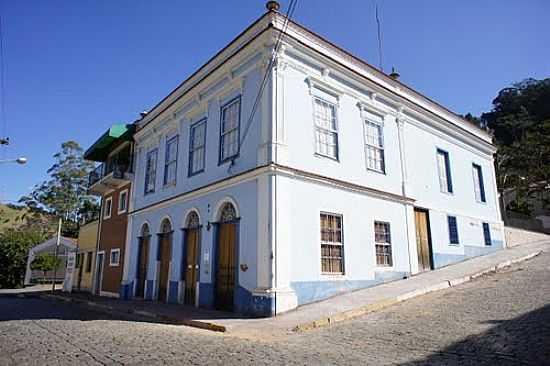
x,y
56,252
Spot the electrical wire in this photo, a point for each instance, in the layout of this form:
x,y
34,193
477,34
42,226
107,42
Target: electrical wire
x,y
2,85
379,37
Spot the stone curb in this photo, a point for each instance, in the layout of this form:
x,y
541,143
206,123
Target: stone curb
x,y
142,313
362,310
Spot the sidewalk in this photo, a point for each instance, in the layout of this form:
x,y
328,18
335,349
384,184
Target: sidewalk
x,y
323,313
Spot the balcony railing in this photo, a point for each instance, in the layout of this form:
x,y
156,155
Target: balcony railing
x,y
117,165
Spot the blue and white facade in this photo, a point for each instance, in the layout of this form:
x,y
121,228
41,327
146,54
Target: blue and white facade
x,y
334,159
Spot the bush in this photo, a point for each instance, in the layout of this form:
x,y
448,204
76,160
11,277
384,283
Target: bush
x,y
14,249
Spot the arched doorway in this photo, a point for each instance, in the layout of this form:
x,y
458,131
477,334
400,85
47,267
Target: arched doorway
x,y
143,258
191,257
163,257
226,257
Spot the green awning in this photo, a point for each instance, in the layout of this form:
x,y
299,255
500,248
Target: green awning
x,y
103,145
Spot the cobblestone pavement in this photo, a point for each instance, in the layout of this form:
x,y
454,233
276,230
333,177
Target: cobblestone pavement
x,y
499,319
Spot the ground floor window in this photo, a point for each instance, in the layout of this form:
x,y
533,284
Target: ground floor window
x,y
382,240
89,257
486,233
332,244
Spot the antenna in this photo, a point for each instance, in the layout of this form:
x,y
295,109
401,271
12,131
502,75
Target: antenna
x,y
379,38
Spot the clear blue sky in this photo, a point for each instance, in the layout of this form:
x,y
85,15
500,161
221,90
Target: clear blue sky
x,y
73,68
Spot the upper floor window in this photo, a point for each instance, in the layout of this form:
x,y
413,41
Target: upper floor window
x,y
374,146
230,129
114,257
382,240
444,170
487,233
171,161
453,229
326,128
479,187
197,147
107,208
150,171
332,245
123,201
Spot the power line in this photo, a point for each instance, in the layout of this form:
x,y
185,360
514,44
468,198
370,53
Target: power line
x,y
289,12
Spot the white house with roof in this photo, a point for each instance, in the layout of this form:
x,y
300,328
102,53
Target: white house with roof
x,y
335,177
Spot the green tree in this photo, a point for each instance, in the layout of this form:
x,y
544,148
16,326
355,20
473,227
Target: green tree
x,y
520,121
14,249
45,262
64,194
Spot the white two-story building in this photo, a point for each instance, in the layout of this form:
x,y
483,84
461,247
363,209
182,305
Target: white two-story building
x,y
331,176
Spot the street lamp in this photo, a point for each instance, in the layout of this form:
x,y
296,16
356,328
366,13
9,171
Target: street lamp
x,y
21,160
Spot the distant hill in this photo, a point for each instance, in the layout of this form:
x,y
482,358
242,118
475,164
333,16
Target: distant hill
x,y
13,216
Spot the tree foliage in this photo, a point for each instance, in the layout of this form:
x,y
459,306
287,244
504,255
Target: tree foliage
x,y
14,248
64,193
520,120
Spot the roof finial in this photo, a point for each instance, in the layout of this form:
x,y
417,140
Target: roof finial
x,y
394,74
272,5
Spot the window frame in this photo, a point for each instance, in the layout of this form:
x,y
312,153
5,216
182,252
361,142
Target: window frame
x,y
385,244
168,163
486,227
451,241
341,244
448,187
111,263
89,257
154,172
193,150
221,158
106,215
120,194
479,185
382,147
317,128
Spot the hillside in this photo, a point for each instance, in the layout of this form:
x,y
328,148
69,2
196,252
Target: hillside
x,y
12,216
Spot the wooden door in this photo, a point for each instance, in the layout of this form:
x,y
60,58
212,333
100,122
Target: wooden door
x,y
423,241
225,272
164,258
192,265
143,256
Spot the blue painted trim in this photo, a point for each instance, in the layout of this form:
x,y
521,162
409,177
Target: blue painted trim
x,y
173,289
206,295
189,158
125,291
256,306
442,259
236,155
311,291
149,293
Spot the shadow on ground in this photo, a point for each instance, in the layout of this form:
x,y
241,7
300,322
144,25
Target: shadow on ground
x,y
33,307
521,340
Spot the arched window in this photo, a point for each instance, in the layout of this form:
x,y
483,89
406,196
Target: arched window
x,y
165,227
145,230
228,213
193,221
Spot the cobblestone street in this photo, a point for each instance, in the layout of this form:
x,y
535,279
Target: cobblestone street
x,y
498,319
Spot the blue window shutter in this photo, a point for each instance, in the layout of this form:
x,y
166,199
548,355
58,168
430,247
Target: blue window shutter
x,y
448,172
453,230
487,234
481,185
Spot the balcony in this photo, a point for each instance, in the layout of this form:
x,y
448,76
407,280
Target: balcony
x,y
112,174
